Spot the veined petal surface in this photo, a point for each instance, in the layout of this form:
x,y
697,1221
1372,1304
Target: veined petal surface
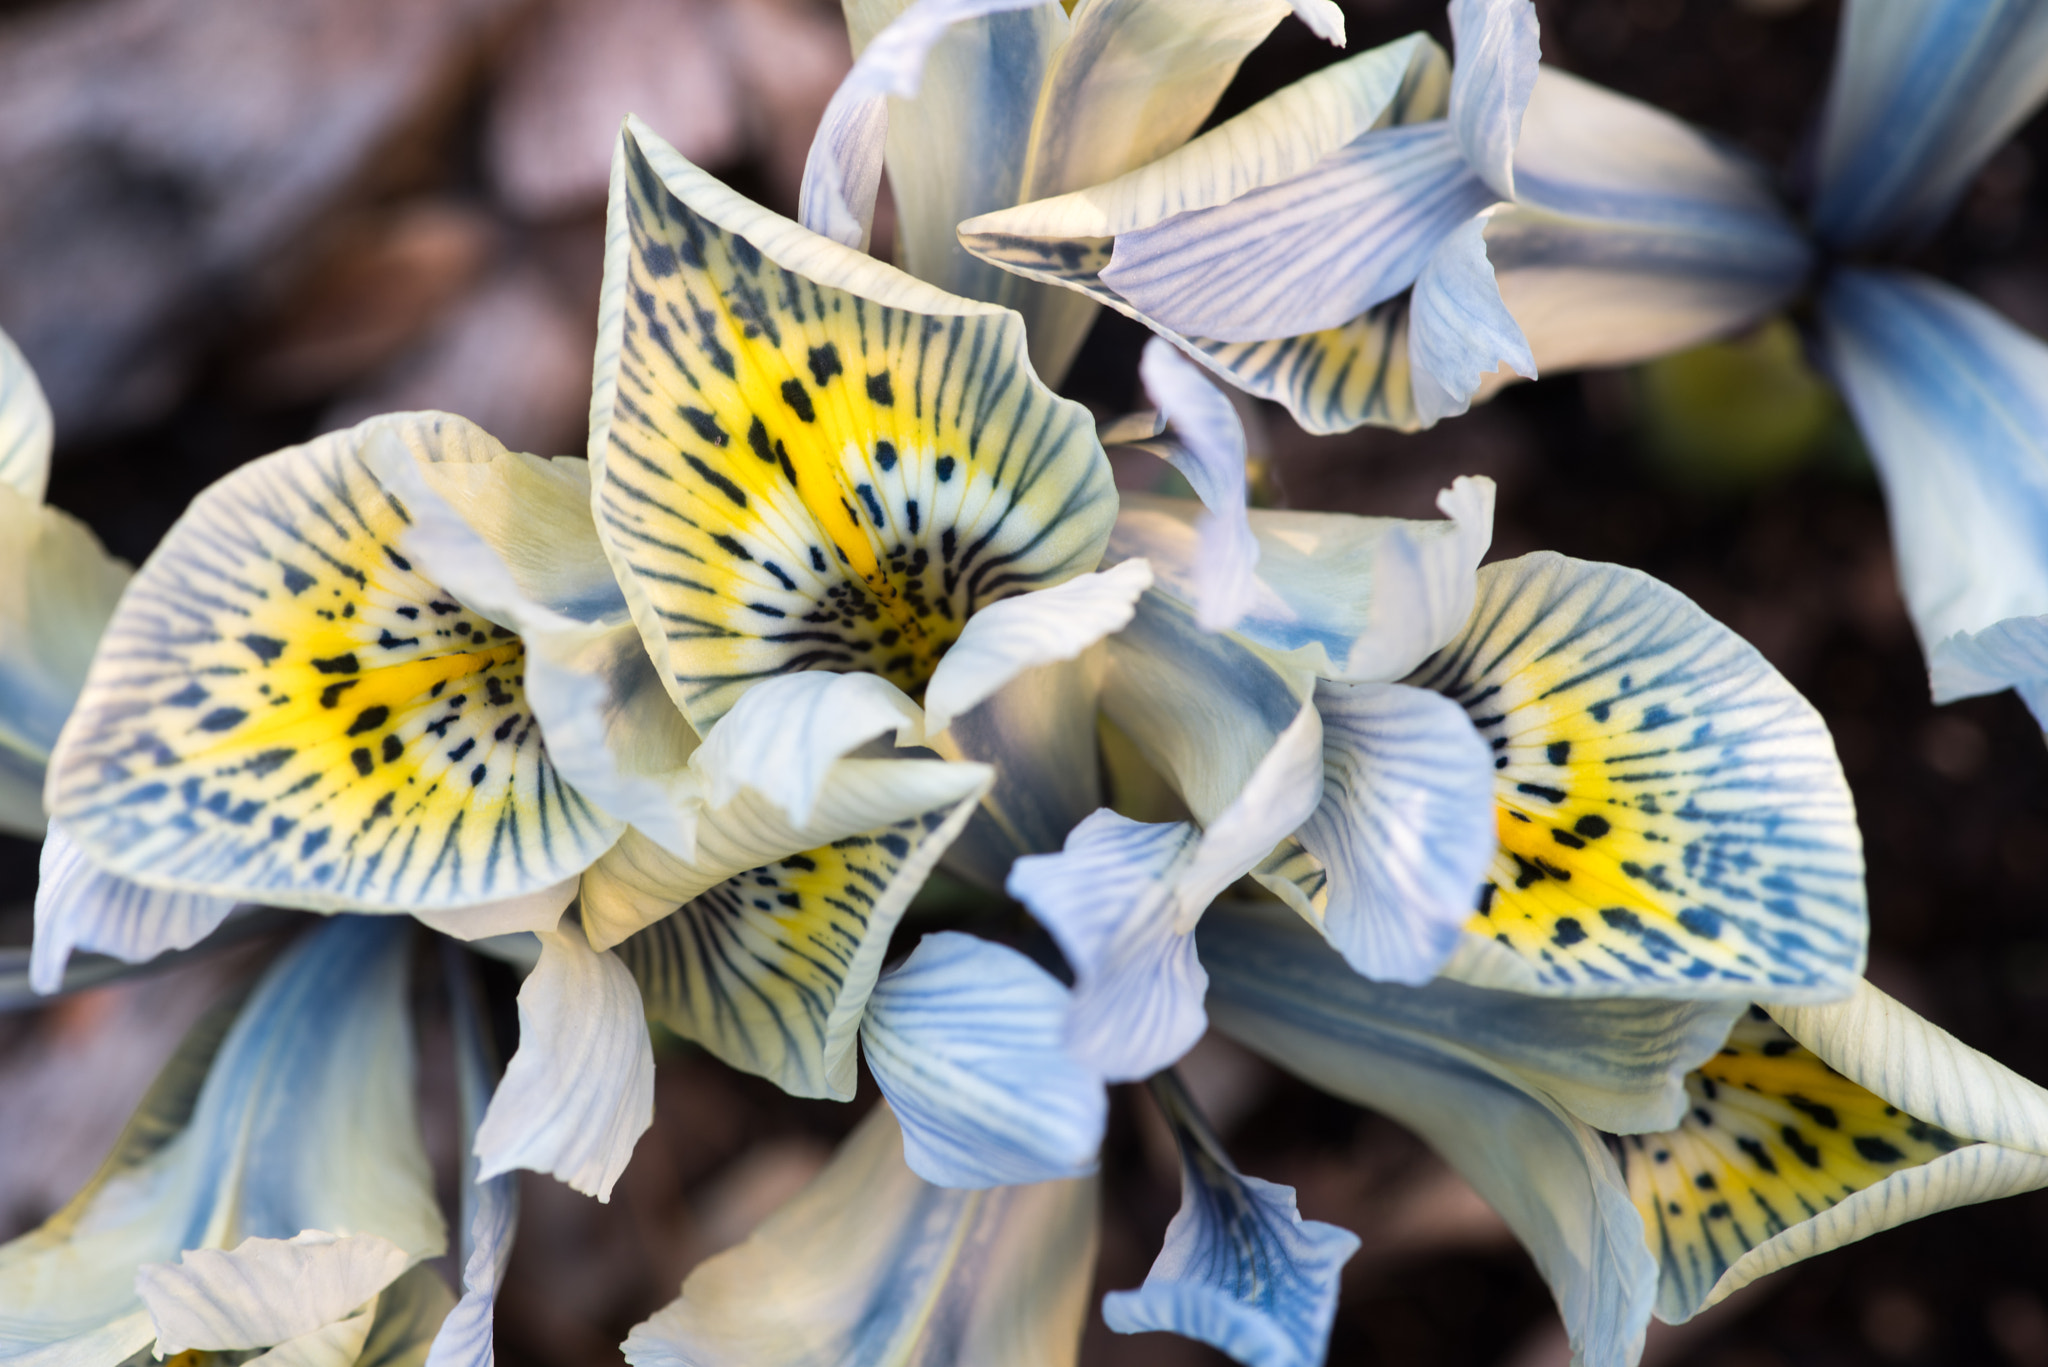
x,y
1634,234
1672,817
786,735
286,709
1331,380
804,459
771,970
265,1291
1240,1268
1953,403
967,1040
1208,447
26,429
1496,47
1922,95
81,907
292,1112
870,1263
1355,599
1426,1057
1780,1156
579,1092
1460,333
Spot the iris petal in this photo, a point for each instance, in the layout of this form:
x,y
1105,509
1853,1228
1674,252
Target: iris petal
x,y
1496,49
80,907
26,430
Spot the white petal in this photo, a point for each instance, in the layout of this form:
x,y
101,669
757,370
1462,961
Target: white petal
x,y
1305,254
966,1039
1240,1268
25,426
1013,635
1325,19
1549,1175
265,1291
490,1207
1459,330
1494,45
1953,402
579,1092
58,587
1922,96
871,1264
1209,450
1405,828
81,907
1357,599
784,735
1633,233
340,1344
772,970
531,913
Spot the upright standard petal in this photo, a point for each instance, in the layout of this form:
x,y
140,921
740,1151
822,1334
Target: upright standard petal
x,y
286,709
967,1040
1953,403
1331,380
1672,817
870,1263
1460,333
1355,599
1495,43
1429,1058
771,970
292,1113
1922,95
1782,1156
1208,447
1240,1269
26,430
79,906
579,1092
786,734
804,459
1633,234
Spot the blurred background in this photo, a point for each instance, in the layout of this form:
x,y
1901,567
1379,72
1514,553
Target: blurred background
x,y
228,226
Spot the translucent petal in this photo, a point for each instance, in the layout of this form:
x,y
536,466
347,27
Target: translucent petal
x,y
58,587
1495,43
804,459
1780,1156
785,735
1208,448
1240,1268
1953,403
1006,638
405,1320
490,1206
339,1344
966,1039
286,709
1634,234
1459,331
1357,599
579,1092
1922,96
293,1111
772,969
26,431
264,1291
1409,1053
80,907
869,1263
1672,817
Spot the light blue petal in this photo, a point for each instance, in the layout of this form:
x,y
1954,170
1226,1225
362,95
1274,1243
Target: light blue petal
x,y
844,169
1112,899
1922,95
1209,450
79,906
1405,829
872,1264
1673,818
1308,253
490,1207
1422,1057
1632,233
1459,330
967,1040
1494,44
1359,599
1240,1268
1953,403
26,430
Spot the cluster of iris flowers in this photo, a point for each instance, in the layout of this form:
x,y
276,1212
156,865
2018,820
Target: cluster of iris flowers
x,y
1533,856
